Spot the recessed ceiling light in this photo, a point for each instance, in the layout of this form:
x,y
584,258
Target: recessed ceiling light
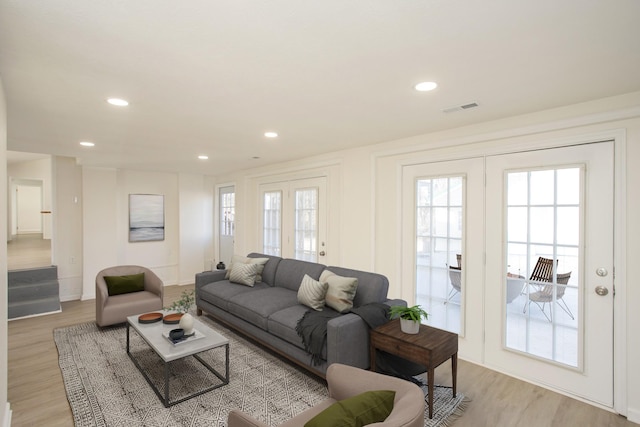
x,y
203,157
271,134
117,101
87,144
426,86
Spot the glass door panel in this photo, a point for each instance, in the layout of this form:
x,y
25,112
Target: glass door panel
x,y
272,223
439,221
543,223
306,224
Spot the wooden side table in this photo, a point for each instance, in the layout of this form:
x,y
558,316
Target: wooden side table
x,y
430,347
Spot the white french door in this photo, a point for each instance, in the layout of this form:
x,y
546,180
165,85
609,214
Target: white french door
x,y
294,219
556,205
226,222
440,230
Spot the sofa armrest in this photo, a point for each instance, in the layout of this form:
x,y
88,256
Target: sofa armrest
x,y
348,341
238,418
392,302
207,277
153,284
101,292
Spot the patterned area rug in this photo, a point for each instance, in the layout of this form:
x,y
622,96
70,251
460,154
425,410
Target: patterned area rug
x,y
104,388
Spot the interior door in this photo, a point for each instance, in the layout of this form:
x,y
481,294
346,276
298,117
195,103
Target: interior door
x,y
29,207
555,329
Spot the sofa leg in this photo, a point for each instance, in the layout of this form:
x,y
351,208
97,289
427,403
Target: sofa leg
x,y
199,311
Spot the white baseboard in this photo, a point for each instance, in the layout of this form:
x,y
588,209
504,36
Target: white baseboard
x,y
633,415
7,417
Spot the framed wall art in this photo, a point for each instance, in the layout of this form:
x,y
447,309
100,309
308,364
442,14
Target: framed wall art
x,y
146,217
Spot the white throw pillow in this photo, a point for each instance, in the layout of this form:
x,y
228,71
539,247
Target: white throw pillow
x,y
244,274
311,293
246,260
341,291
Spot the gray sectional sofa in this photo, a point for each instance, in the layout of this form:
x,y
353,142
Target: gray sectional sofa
x,y
268,312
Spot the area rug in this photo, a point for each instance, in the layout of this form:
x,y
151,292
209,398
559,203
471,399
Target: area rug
x,y
104,388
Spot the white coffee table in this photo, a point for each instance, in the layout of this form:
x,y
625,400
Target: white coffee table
x,y
152,334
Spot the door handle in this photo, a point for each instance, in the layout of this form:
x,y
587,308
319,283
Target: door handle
x,y
322,253
602,290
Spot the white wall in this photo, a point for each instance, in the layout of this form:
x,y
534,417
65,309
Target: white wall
x,y
365,198
105,216
66,247
5,412
195,226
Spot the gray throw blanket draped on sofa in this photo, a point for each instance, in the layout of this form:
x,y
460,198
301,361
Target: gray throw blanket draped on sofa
x,y
312,328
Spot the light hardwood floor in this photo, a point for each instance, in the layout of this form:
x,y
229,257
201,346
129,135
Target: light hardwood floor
x,y
28,251
38,398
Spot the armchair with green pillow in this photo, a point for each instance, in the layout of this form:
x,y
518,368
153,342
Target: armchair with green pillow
x,y
356,397
126,290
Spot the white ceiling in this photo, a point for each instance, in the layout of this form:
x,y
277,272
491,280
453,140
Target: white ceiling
x,y
211,76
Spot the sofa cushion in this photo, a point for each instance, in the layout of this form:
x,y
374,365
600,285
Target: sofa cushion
x,y
117,285
219,293
341,291
282,324
255,307
240,260
244,274
372,287
291,271
312,293
362,409
269,271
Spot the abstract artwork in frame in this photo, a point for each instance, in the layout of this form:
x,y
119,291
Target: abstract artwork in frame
x,y
146,217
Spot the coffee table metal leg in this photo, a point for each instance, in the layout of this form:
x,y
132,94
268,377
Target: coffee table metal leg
x,y
166,384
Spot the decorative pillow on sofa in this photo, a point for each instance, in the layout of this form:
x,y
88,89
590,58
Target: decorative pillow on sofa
x,y
366,408
246,260
244,274
117,285
341,291
312,293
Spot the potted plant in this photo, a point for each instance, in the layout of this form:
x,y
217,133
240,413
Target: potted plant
x,y
182,305
409,317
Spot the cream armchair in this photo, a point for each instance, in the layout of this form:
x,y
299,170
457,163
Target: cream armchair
x,y
347,381
115,309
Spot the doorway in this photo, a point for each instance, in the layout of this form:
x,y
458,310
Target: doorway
x,y
29,245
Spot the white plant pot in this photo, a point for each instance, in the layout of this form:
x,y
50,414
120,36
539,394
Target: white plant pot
x,y
186,323
409,326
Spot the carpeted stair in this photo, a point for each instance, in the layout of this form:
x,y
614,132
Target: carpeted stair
x,y
33,291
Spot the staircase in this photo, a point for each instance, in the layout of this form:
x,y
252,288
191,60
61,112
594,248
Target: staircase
x,y
33,291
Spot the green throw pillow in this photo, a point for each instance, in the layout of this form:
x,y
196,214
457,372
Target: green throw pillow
x,y
117,285
366,408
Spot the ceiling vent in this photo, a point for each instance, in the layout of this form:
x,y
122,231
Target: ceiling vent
x,y
466,106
